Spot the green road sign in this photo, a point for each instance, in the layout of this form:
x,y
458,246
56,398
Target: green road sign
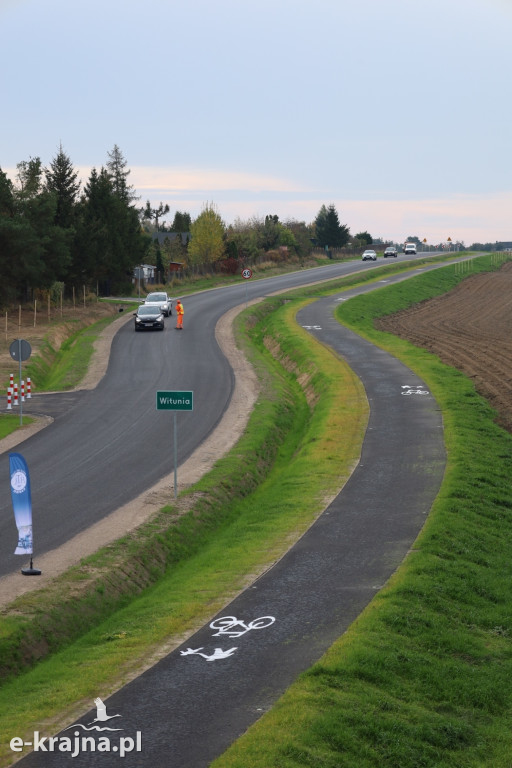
x,y
174,401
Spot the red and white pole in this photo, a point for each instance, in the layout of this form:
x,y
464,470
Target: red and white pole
x,y
11,381
22,391
29,388
9,399
15,393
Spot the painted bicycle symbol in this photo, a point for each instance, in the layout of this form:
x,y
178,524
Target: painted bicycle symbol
x,y
233,627
406,390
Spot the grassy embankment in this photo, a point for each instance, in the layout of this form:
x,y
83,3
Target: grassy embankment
x,y
61,369
422,678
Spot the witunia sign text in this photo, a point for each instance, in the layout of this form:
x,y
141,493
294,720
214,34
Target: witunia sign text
x,y
174,401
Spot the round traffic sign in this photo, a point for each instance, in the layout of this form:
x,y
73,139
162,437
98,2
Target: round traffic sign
x,y
246,273
20,350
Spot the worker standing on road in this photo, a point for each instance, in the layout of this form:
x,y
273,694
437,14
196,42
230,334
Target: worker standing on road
x,y
179,315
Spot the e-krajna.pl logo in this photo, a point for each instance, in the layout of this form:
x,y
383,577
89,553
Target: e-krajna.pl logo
x,y
78,743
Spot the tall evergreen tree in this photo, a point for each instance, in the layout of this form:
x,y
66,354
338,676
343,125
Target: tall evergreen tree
x,y
18,244
329,231
116,167
110,242
62,180
47,259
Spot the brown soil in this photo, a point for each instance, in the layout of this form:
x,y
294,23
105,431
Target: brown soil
x,y
53,325
470,329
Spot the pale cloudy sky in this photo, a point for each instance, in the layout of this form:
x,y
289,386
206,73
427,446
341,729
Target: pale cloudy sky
x,y
397,111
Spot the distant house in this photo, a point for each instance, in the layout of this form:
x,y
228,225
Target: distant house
x,y
145,272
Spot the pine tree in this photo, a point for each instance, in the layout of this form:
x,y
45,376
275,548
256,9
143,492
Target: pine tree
x,y
110,242
329,231
116,167
62,180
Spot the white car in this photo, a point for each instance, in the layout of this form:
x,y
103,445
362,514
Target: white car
x,y
369,255
410,248
161,300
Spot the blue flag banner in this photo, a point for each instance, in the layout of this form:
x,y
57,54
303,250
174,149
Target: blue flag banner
x,y
21,502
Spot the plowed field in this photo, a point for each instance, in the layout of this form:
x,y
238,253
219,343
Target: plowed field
x,y
470,329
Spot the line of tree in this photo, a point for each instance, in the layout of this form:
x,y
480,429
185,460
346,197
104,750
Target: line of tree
x,y
53,230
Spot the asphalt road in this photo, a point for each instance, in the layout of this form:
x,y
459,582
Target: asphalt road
x,y
108,445
188,708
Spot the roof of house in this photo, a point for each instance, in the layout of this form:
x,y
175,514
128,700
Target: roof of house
x,y
161,237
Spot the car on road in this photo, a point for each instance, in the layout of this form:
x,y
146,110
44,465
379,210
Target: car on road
x,y
410,248
149,317
369,255
160,299
390,251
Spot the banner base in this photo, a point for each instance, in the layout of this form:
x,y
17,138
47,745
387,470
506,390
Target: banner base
x,y
31,571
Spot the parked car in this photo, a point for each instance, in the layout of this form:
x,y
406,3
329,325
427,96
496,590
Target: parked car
x,y
369,255
161,300
149,316
390,251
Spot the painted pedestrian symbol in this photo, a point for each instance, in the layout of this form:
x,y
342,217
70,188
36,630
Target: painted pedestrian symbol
x,y
413,390
233,627
217,654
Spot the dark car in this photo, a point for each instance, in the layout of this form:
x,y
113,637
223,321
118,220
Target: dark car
x,y
149,317
390,252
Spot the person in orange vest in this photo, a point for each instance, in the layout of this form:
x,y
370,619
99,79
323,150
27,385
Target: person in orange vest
x,y
179,315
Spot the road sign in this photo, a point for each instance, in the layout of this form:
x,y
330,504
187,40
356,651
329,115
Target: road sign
x,y
174,401
246,274
20,350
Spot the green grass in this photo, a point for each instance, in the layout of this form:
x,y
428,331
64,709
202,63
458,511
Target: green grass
x,y
211,553
10,422
56,370
422,678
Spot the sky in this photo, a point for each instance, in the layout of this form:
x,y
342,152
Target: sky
x,y
398,112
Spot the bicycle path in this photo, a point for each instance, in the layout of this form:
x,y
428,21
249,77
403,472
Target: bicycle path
x,y
187,709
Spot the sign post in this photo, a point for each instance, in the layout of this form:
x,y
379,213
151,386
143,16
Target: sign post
x,y
175,401
246,274
20,350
